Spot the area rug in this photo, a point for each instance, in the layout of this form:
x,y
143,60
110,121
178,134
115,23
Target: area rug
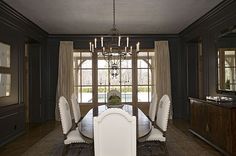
x,y
178,144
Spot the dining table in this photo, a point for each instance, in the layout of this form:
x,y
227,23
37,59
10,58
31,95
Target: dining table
x,y
144,125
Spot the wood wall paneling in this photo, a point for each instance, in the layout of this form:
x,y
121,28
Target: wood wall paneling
x,y
208,28
16,30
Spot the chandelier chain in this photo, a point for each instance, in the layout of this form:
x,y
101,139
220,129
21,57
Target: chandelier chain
x,y
114,15
116,49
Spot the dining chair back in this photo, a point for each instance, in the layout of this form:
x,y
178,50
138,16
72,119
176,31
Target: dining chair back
x,y
153,107
64,110
75,108
115,133
163,113
71,136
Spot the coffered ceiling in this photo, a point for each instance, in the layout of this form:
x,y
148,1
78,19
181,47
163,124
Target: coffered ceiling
x,y
95,16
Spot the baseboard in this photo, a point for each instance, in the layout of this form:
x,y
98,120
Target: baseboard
x,y
11,138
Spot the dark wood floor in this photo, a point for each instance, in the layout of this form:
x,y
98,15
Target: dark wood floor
x,y
179,140
33,133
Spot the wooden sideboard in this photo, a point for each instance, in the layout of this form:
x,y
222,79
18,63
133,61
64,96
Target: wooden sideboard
x,y
215,123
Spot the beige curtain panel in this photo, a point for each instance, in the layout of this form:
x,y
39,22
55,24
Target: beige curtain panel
x,y
162,79
65,84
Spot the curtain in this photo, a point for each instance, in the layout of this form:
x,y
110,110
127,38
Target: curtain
x,y
162,77
65,84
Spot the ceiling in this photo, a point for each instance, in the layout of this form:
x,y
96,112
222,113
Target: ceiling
x,y
95,16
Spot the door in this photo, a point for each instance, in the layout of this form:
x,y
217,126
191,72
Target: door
x,y
198,117
35,106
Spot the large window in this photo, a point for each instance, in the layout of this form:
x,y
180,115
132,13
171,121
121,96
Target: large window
x,y
85,84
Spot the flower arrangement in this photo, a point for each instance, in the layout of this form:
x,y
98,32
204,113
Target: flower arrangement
x,y
114,100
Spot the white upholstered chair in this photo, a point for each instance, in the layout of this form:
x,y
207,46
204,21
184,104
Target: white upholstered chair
x,y
153,108
158,132
115,133
70,136
75,108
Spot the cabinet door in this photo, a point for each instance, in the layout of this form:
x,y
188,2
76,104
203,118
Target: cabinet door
x,y
219,123
198,117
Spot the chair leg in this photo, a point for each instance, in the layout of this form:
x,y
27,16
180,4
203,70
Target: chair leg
x,y
91,149
166,150
65,150
80,149
87,146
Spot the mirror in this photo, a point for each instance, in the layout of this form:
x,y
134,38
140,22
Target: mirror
x,y
226,61
5,84
4,55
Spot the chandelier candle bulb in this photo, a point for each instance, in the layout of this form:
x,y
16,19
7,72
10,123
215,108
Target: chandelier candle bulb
x,y
101,41
119,41
111,49
138,45
125,49
127,42
103,49
131,48
95,42
90,46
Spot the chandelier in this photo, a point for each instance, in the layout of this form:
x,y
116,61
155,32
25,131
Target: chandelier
x,y
114,47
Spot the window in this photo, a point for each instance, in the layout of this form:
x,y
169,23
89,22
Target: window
x,y
144,70
122,83
5,71
83,76
85,86
227,69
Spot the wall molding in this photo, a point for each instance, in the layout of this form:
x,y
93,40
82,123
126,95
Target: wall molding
x,y
207,16
20,23
10,17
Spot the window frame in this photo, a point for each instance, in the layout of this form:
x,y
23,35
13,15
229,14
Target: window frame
x,y
134,84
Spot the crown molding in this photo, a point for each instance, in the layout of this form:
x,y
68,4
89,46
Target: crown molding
x,y
207,16
9,16
99,35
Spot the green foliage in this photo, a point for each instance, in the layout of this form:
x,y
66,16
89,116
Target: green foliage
x,y
86,90
114,100
124,89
